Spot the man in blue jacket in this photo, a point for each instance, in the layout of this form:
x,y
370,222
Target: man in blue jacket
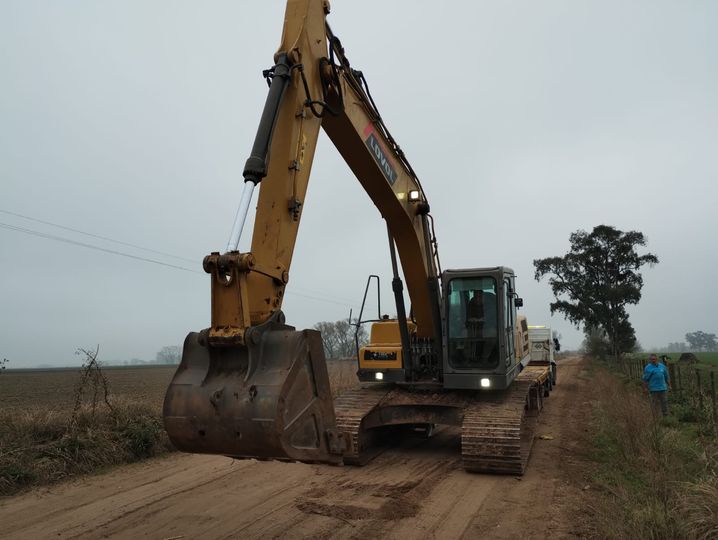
x,y
657,381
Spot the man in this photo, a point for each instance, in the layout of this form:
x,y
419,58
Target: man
x,y
657,381
475,309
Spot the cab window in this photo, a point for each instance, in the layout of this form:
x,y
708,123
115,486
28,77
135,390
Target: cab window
x,y
473,323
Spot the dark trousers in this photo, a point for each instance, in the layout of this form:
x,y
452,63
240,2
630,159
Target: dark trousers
x,y
659,399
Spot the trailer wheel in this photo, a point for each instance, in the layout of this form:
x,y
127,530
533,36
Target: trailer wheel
x,y
553,374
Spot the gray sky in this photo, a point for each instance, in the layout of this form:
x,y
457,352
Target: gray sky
x,y
525,121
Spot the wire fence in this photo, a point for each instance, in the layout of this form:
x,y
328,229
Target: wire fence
x,y
693,389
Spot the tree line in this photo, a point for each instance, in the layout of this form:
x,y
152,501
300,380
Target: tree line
x,y
338,337
698,341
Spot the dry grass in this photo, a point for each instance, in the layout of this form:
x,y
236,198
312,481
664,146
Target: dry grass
x,y
698,507
40,446
653,473
342,375
60,423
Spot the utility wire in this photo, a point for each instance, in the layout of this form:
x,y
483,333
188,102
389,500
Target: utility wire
x,y
78,231
39,234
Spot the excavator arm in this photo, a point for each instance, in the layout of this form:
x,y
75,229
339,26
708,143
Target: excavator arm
x,y
249,385
312,85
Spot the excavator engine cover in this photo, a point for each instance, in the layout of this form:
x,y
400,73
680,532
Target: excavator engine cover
x,y
268,399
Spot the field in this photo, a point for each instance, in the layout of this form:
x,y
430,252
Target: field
x,y
54,426
705,359
54,389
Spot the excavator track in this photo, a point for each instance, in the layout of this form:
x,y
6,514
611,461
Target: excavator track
x,y
497,433
497,429
350,409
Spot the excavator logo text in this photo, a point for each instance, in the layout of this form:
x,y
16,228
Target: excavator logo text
x,y
372,141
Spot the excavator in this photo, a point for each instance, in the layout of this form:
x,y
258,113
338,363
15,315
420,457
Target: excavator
x,y
251,386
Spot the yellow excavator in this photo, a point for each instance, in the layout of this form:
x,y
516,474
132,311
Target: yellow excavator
x,y
250,386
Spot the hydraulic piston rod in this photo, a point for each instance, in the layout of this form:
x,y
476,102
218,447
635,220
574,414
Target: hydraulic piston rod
x,y
256,166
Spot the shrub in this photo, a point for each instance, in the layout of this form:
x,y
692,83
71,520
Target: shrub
x,y
39,447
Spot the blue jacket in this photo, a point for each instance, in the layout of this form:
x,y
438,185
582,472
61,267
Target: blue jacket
x,y
657,377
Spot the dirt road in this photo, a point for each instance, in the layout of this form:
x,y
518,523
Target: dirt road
x,y
417,490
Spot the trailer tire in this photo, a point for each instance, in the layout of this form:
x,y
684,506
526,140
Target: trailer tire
x,y
553,374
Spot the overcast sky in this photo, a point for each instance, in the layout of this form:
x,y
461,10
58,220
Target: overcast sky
x,y
524,120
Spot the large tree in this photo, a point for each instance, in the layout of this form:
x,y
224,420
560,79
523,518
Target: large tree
x,y
702,341
595,281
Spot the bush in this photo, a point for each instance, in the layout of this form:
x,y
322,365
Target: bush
x,y
40,447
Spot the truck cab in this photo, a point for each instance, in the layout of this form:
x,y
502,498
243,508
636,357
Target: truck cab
x,y
543,348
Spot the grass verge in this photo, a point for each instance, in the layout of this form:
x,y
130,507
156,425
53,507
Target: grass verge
x,y
657,478
40,446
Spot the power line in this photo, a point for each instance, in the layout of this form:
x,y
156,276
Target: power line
x,y
313,296
39,234
78,231
62,239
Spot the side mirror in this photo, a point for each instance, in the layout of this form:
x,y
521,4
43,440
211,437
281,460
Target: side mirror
x,y
519,302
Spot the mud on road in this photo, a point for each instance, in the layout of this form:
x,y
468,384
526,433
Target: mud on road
x,y
414,490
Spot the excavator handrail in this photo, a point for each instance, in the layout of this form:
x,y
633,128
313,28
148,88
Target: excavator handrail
x,y
359,320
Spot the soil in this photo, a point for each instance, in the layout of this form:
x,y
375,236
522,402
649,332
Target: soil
x,y
414,490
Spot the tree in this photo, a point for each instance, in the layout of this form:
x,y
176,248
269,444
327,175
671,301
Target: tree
x,y
171,354
701,341
338,338
595,343
3,363
595,281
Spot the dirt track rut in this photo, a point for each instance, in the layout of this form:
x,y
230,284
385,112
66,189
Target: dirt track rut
x,y
416,490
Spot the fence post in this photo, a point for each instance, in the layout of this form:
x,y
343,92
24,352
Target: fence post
x,y
700,390
680,382
713,399
672,373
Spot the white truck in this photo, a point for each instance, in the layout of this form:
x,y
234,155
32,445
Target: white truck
x,y
543,348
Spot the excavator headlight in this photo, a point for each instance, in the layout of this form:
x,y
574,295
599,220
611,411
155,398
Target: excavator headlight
x,y
414,195
485,383
379,376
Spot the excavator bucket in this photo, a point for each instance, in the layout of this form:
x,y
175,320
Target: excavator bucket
x,y
269,399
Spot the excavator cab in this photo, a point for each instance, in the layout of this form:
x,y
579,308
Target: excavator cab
x,y
479,320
